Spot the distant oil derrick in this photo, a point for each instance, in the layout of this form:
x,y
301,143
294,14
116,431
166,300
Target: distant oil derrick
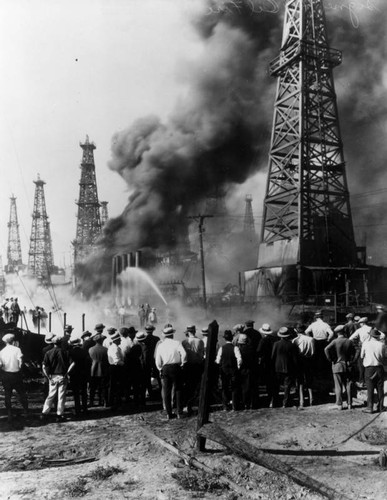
x,y
104,212
248,221
14,254
40,255
89,217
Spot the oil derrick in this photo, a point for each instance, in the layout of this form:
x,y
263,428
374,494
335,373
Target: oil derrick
x,y
2,277
14,255
307,229
104,212
218,227
40,255
248,221
88,218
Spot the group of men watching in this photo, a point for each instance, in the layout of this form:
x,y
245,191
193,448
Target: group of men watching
x,y
106,369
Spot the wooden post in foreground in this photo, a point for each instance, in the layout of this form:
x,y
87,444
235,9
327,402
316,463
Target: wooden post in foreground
x,y
207,382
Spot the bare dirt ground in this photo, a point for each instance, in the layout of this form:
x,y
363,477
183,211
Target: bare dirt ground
x,y
110,456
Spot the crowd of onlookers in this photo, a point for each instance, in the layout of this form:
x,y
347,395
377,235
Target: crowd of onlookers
x,y
117,367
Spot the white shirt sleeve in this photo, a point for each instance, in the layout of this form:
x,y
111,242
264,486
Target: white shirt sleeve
x,y
218,356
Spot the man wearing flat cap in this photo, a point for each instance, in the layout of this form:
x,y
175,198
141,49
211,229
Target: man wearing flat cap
x,y
170,358
11,361
374,356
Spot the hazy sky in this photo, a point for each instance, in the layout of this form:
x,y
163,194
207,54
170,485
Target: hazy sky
x,y
71,68
74,67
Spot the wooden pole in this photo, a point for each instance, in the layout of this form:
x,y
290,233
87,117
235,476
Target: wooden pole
x,y
207,383
49,321
83,322
250,452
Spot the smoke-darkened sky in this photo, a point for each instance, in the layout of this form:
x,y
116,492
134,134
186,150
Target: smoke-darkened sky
x,y
177,98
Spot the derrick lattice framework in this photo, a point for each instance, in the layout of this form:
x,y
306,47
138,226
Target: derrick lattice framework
x,y
40,255
104,212
14,255
248,221
307,217
89,216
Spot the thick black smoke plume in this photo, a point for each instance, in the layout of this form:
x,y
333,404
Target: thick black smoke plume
x,y
218,133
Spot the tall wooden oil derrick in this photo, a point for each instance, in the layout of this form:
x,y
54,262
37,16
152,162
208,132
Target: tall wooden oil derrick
x,y
14,254
307,237
89,217
40,255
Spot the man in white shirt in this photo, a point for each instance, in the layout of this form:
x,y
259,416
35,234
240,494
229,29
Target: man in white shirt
x,y
11,360
358,338
374,354
170,357
322,334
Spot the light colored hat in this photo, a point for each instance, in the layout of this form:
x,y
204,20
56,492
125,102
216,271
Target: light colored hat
x,y
8,338
265,329
205,330
284,332
49,338
169,331
318,313
242,338
349,316
363,320
115,336
140,336
339,328
356,319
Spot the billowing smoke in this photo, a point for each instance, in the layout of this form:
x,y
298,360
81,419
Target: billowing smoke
x,y
218,134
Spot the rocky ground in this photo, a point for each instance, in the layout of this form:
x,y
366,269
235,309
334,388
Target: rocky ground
x,y
116,456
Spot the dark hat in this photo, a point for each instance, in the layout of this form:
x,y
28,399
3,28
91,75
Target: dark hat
x,y
265,329
140,336
124,331
86,334
99,326
168,325
228,335
68,328
249,322
98,336
169,331
375,333
76,341
349,316
115,336
131,329
191,329
284,332
318,313
111,330
149,328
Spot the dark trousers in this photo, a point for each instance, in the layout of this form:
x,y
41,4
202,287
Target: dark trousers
x,y
343,382
192,379
288,381
172,377
115,384
14,381
99,386
139,382
374,377
79,387
152,371
230,388
360,367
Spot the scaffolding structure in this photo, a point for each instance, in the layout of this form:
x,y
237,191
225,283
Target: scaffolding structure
x,y
89,217
248,221
104,212
307,228
14,254
40,255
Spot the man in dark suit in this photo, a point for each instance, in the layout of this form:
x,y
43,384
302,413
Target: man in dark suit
x,y
79,375
99,371
285,358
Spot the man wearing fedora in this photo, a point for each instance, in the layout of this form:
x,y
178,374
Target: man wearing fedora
x,y
193,368
11,361
170,358
374,355
68,329
285,358
139,369
361,335
99,371
306,348
322,334
265,361
116,369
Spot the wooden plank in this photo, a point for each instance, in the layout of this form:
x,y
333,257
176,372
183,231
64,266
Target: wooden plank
x,y
208,380
193,462
250,452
